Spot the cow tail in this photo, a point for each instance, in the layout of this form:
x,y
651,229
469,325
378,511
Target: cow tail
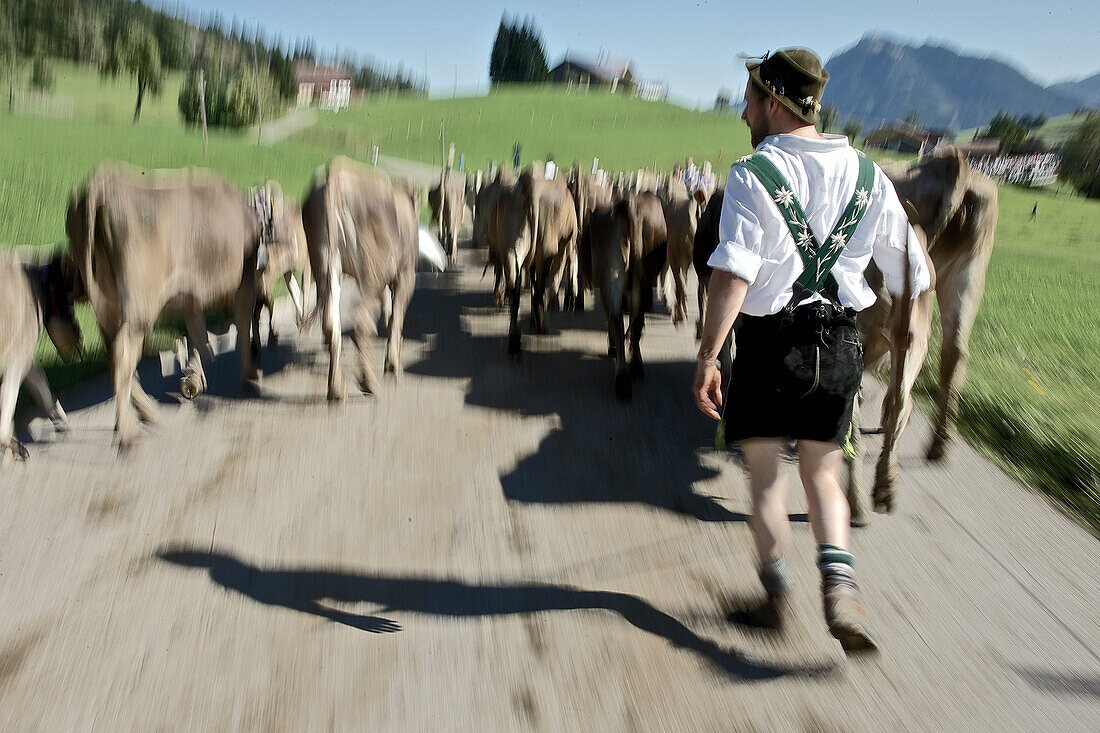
x,y
91,203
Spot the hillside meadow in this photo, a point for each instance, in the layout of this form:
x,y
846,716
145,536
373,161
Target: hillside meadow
x,y
1030,400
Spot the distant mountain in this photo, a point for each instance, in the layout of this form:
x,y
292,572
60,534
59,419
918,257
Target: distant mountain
x,y
1086,91
881,80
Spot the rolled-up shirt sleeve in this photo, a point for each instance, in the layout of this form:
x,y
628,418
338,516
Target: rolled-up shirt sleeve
x,y
894,240
739,231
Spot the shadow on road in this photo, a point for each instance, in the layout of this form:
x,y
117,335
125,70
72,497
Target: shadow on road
x,y
303,589
605,451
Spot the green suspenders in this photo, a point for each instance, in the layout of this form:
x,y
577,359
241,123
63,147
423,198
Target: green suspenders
x,y
817,260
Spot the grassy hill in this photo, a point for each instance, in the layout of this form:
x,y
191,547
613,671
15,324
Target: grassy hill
x,y
1031,396
623,133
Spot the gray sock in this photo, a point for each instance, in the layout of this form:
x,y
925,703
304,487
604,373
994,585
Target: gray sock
x,y
835,565
775,576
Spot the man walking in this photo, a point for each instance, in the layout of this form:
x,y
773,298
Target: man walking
x,y
801,219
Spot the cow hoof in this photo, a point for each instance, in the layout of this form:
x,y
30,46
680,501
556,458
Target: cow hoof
x,y
624,390
938,450
859,520
189,388
19,450
368,386
62,427
884,501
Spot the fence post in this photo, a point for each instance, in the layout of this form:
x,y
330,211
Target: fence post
x,y
202,106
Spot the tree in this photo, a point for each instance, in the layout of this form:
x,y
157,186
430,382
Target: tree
x,y
41,74
9,49
518,54
1006,129
852,129
829,116
1081,158
138,53
912,117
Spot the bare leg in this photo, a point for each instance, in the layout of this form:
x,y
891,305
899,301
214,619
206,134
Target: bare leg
x,y
819,468
830,519
771,530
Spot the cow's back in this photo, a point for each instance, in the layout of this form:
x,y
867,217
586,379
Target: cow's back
x,y
146,243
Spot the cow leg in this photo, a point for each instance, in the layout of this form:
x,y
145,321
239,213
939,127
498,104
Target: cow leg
x,y
572,283
908,348
402,290
365,330
679,272
257,310
9,394
246,298
538,297
665,285
124,351
959,293
854,459
193,381
515,285
328,298
40,388
642,301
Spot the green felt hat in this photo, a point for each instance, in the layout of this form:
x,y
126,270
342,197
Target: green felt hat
x,y
795,77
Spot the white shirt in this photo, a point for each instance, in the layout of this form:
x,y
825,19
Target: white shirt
x,y
755,243
551,170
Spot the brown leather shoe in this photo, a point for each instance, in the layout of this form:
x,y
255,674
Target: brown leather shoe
x,y
847,620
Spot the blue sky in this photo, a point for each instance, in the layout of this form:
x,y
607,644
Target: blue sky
x,y
692,46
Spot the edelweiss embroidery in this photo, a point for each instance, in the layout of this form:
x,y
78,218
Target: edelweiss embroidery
x,y
863,197
784,197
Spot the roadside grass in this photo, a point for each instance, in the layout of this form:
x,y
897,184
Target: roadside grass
x,y
1030,397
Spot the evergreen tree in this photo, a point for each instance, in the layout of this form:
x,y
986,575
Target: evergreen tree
x,y
518,54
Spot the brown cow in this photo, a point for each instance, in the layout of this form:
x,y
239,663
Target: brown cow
x,y
706,241
957,209
187,240
359,223
621,252
509,239
32,295
447,201
552,232
682,211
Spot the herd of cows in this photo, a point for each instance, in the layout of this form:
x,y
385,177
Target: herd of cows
x,y
188,241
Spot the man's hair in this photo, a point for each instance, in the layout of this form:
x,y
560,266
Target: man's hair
x,y
756,90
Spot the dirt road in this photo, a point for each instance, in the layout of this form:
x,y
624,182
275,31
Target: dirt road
x,y
491,545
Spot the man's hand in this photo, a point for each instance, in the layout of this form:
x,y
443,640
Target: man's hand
x,y
708,388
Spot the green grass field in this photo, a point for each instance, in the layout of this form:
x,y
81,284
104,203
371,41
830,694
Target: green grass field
x,y
1030,400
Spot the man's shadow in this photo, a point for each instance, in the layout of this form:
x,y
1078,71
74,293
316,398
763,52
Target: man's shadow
x,y
644,452
304,589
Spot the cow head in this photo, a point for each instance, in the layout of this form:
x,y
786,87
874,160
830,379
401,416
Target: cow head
x,y
56,282
936,188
